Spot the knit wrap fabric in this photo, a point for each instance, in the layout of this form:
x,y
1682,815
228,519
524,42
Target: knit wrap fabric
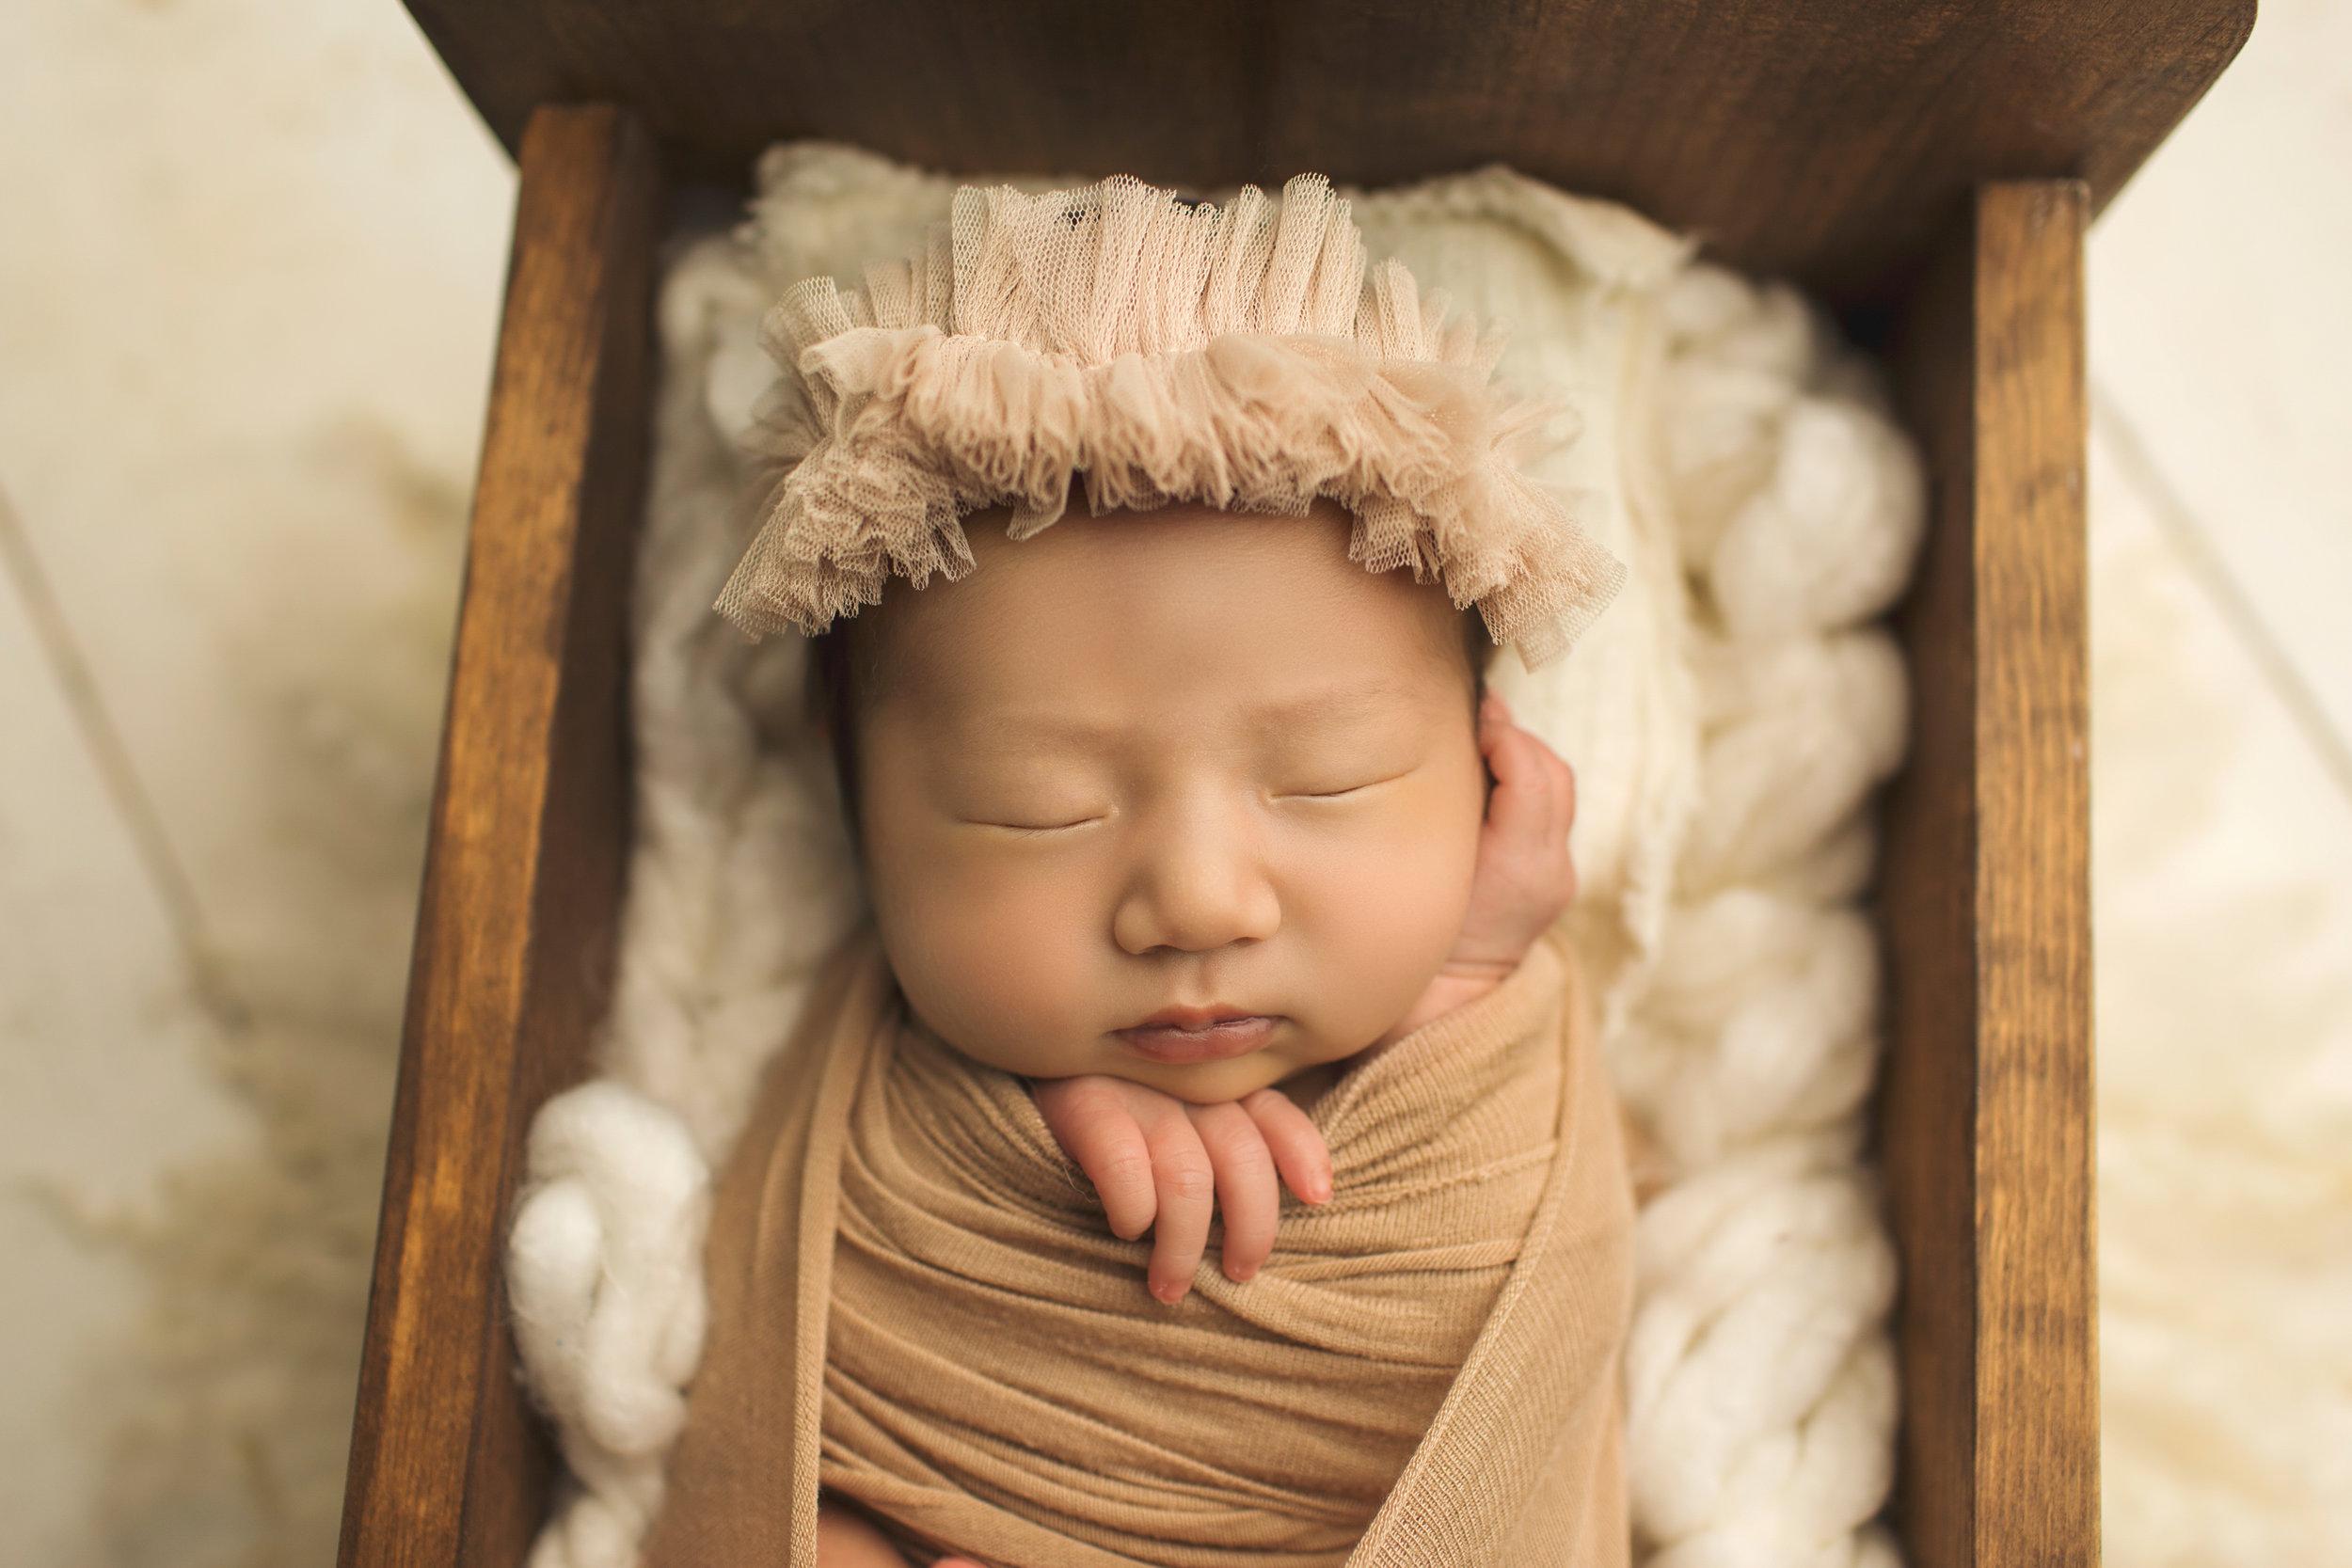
x,y
1153,350
917,1304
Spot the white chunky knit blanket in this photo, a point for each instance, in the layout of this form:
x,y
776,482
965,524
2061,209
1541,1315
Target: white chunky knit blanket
x,y
1729,720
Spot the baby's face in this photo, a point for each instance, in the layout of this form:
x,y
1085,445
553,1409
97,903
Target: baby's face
x,y
1188,798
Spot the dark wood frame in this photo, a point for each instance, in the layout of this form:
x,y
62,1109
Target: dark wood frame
x,y
1985,1123
523,870
1973,282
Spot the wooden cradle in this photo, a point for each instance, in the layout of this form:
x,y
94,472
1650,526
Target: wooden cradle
x,y
1929,167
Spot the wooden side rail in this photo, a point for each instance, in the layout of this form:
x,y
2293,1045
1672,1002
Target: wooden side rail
x,y
1986,1115
522,884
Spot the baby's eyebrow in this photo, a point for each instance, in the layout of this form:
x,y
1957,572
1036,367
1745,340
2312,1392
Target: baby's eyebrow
x,y
1330,709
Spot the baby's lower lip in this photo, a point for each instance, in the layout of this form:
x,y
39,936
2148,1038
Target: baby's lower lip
x,y
1214,1042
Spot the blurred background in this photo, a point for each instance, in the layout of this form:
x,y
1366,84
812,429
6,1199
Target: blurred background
x,y
250,277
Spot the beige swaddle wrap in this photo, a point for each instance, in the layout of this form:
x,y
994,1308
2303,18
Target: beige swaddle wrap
x,y
1424,1373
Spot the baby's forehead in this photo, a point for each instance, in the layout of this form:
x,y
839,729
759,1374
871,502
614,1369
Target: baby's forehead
x,y
1010,670
1197,585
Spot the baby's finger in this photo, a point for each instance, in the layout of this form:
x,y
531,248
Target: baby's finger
x,y
1523,803
1564,781
1247,1196
1543,783
1089,1118
1563,792
1186,1196
1298,1150
1494,722
846,1540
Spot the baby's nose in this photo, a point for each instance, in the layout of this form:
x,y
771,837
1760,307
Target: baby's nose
x,y
1199,885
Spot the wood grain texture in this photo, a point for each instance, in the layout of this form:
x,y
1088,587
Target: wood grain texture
x,y
1986,1113
1827,139
514,933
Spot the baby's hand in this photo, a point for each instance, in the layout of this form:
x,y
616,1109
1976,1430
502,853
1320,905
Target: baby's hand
x,y
1524,879
1157,1163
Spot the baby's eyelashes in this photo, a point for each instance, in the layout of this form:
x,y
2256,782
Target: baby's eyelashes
x,y
1039,829
1336,790
1033,820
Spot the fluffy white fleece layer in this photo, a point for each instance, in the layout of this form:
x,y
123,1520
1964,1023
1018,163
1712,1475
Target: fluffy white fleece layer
x,y
1729,720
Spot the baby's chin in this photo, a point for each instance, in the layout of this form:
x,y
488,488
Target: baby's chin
x,y
1207,1082
1215,1083
1292,1050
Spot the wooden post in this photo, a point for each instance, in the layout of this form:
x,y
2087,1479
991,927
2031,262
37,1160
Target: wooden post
x,y
1986,1115
523,875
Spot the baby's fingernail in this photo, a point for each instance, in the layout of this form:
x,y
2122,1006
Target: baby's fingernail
x,y
1242,1273
1170,1292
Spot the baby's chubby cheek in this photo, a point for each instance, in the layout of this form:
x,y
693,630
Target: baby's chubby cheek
x,y
1369,927
999,965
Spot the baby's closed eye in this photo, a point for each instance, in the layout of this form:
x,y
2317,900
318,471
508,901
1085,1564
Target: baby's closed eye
x,y
1340,784
1322,761
1031,824
1039,803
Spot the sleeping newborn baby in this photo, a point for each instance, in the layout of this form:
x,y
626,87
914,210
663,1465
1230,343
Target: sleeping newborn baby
x,y
1228,788
1198,860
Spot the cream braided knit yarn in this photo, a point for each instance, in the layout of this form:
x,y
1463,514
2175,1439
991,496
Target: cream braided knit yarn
x,y
1154,349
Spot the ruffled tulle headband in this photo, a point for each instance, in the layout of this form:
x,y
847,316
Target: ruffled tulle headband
x,y
1154,349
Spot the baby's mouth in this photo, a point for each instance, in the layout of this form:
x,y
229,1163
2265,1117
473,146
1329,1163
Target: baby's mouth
x,y
1180,1036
